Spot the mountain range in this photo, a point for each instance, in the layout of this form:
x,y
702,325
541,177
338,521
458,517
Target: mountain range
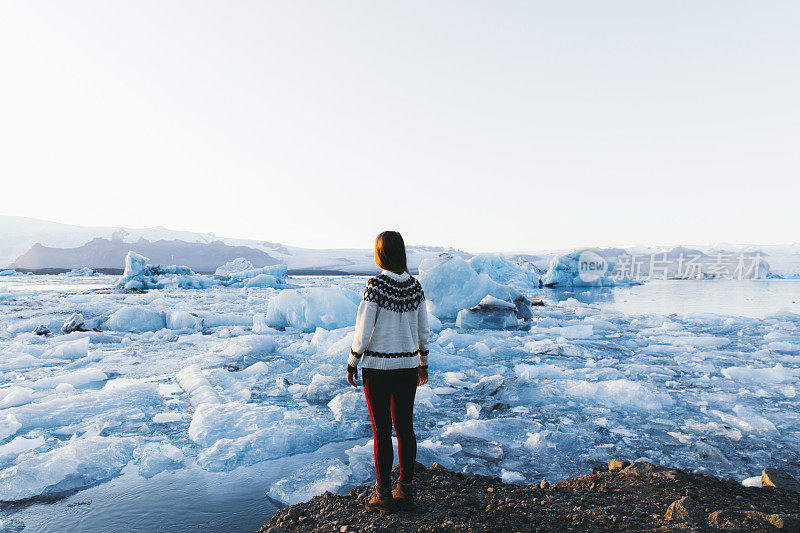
x,y
31,244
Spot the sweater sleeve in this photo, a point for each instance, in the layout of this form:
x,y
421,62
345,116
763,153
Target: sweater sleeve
x,y
423,333
365,322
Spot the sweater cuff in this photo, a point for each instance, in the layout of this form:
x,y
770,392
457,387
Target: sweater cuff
x,y
353,359
423,358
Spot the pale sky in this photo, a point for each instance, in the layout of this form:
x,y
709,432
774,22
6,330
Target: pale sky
x,y
488,126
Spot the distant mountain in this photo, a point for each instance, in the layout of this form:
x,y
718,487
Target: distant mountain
x,y
26,242
110,254
33,244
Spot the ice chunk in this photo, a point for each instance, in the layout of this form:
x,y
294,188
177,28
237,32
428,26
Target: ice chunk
x,y
17,446
183,321
157,457
15,396
511,477
75,322
434,323
762,376
167,418
77,378
490,313
521,274
347,405
195,384
308,309
232,420
754,481
81,272
311,480
451,284
323,388
8,425
241,273
619,393
249,437
119,400
496,429
68,349
136,319
79,463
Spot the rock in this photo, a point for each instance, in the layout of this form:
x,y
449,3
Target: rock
x,y
616,464
276,529
724,516
523,306
544,484
780,521
684,510
42,330
780,479
74,323
641,468
490,313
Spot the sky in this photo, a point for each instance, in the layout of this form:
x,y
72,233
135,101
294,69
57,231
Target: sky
x,y
487,126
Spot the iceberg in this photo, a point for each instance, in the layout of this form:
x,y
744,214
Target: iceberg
x,y
139,274
521,274
81,272
582,268
308,309
451,284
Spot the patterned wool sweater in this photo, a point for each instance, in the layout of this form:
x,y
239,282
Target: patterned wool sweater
x,y
392,324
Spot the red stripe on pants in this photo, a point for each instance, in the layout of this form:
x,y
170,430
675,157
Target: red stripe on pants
x,y
390,397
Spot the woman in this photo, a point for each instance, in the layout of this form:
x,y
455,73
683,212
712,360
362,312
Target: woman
x,y
391,342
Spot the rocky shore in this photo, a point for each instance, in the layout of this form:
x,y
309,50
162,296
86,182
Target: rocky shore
x,y
622,497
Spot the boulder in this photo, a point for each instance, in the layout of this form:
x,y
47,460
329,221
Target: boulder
x,y
642,468
616,464
42,330
780,479
684,510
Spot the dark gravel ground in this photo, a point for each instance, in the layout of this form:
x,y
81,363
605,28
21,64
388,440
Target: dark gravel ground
x,y
635,498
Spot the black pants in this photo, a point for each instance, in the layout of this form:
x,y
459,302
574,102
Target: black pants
x,y
390,397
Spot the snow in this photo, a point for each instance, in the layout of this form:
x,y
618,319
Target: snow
x,y
223,379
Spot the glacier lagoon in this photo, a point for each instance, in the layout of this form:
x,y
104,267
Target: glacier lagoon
x,y
222,417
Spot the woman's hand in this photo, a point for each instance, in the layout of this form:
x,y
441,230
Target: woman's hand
x,y
422,376
352,375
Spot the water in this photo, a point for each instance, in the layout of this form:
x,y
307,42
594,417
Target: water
x,y
755,299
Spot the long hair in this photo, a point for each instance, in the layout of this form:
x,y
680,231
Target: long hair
x,y
390,252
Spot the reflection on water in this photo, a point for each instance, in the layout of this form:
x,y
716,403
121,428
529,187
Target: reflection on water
x,y
752,298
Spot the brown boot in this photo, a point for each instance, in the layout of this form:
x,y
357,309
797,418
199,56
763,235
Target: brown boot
x,y
381,501
404,496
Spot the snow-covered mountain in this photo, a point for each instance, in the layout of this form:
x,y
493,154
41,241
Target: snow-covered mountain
x,y
38,244
33,244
